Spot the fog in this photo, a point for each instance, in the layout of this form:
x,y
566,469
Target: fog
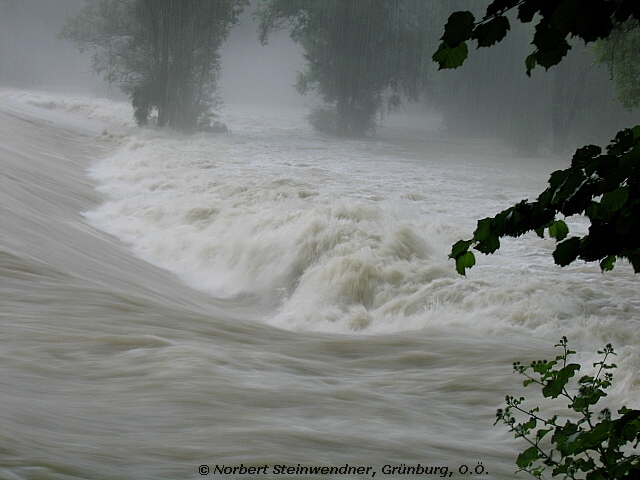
x,y
255,73
32,57
489,97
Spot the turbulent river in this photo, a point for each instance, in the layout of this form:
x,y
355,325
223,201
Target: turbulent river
x,y
271,297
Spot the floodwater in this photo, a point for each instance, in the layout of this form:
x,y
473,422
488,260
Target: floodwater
x,y
272,297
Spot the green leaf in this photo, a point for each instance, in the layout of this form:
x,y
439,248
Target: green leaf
x,y
527,457
530,62
573,182
559,230
526,11
593,211
623,141
459,28
608,263
448,57
554,387
582,441
553,57
465,261
558,177
629,418
527,426
613,201
586,398
542,366
567,251
551,44
491,32
483,230
542,432
489,245
459,248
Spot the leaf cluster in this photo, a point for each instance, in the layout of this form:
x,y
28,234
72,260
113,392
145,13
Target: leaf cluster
x,y
605,187
556,20
591,447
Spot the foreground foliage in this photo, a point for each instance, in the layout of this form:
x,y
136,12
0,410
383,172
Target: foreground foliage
x,y
604,187
556,21
585,445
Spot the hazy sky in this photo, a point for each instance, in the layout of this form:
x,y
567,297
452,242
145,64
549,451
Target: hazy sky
x,y
32,57
255,73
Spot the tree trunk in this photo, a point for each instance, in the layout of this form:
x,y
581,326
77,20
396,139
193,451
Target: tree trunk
x,y
163,81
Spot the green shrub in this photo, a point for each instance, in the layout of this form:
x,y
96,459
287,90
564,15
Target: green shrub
x,y
584,446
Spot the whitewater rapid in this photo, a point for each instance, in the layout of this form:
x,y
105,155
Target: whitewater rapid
x,y
347,236
270,295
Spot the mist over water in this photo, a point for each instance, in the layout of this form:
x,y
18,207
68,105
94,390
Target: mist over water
x,y
271,295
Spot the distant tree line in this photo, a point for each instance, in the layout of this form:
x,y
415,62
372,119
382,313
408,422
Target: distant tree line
x,y
363,60
361,57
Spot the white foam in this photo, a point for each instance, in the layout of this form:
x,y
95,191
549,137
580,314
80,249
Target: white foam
x,y
345,236
348,237
83,108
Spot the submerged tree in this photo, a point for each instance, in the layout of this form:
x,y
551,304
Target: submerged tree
x,y
361,55
162,53
605,187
